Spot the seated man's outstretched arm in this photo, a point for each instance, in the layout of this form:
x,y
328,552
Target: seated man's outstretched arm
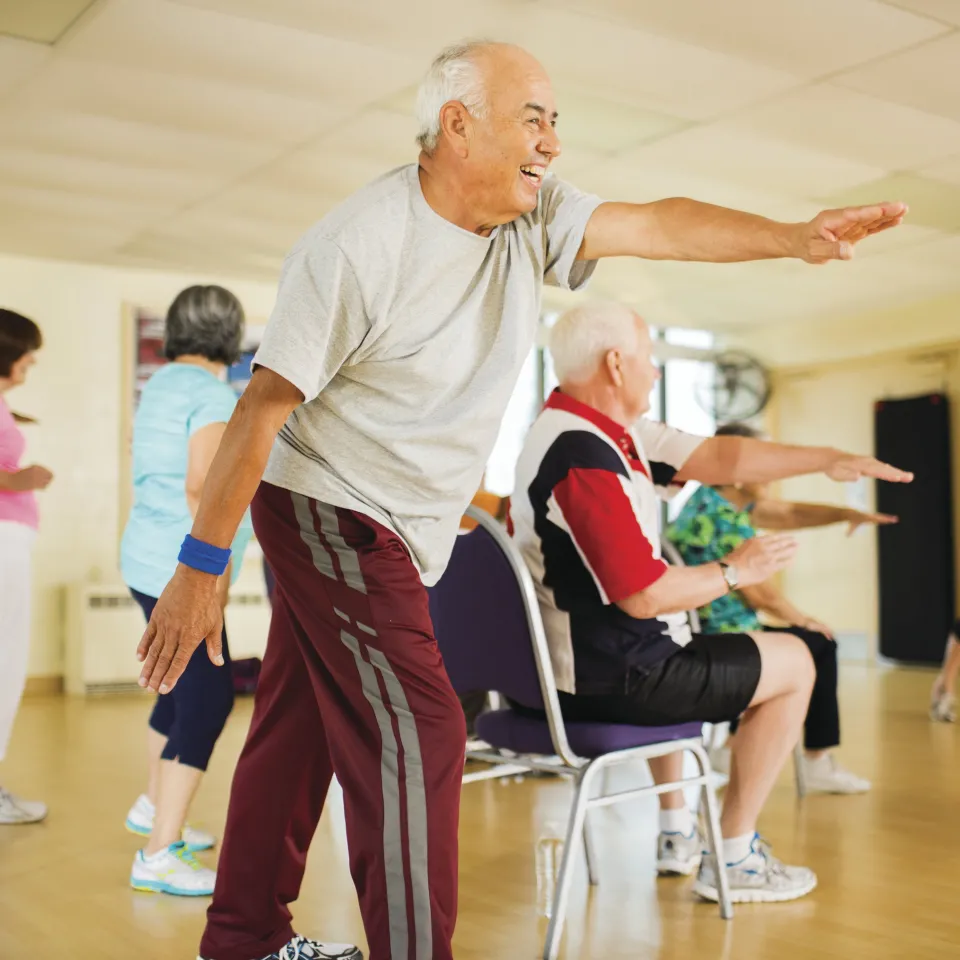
x,y
720,461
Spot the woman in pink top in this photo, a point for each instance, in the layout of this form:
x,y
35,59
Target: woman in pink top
x,y
19,341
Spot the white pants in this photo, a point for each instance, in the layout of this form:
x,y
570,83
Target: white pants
x,y
16,542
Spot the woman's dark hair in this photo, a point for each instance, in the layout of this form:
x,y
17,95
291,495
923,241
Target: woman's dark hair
x,y
206,322
18,336
738,430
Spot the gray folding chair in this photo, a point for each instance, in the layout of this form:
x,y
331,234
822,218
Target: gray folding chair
x,y
672,555
488,627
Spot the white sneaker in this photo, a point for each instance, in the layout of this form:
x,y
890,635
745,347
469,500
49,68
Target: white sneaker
x,y
678,855
943,707
13,810
825,775
174,870
300,948
758,878
140,821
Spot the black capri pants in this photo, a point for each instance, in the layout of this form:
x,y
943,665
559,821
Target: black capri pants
x,y
192,716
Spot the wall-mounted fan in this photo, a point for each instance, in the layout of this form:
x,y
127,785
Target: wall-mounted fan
x,y
734,386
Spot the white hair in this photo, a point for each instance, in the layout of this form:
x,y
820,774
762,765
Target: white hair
x,y
453,75
583,336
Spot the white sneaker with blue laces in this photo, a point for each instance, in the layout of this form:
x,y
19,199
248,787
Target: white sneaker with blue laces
x,y
300,948
758,878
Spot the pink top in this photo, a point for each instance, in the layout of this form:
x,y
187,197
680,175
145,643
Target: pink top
x,y
14,507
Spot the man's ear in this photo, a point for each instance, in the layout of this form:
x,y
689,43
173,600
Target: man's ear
x,y
456,127
612,362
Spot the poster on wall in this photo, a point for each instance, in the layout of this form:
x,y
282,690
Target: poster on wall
x,y
148,350
149,358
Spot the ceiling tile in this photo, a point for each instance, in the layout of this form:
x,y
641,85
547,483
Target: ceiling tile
x,y
724,152
19,61
98,177
932,204
261,198
42,22
947,171
419,28
27,234
178,40
806,37
131,143
203,106
925,77
946,10
592,123
618,179
644,71
133,213
854,125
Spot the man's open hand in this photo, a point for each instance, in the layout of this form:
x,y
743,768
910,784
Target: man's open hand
x,y
833,234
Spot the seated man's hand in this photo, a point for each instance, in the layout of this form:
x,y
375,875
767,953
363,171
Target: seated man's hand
x,y
848,468
760,558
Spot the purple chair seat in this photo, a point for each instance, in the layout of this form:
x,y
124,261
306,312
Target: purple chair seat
x,y
507,730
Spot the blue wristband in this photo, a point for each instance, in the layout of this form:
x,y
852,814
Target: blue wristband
x,y
204,556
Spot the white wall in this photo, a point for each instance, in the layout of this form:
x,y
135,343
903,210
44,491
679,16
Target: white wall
x,y
75,393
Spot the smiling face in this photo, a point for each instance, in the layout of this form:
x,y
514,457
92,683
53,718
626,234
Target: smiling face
x,y
512,146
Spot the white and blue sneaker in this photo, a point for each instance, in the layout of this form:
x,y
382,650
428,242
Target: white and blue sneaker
x,y
174,870
758,878
678,855
300,948
140,821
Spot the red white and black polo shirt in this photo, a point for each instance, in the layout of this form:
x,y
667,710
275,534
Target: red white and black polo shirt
x,y
585,514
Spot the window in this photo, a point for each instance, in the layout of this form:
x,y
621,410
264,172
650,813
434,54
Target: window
x,y
682,378
522,410
675,398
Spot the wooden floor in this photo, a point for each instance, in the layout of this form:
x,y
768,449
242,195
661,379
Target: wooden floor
x,y
889,862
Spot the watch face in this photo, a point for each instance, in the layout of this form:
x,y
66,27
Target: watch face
x,y
730,575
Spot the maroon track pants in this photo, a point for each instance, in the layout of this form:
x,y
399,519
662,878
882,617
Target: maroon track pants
x,y
352,684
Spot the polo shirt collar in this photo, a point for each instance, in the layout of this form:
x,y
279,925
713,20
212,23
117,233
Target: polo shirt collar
x,y
619,434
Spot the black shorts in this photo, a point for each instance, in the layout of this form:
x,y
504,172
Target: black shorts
x,y
712,679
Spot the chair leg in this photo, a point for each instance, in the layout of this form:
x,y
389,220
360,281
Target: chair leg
x,y
561,898
799,770
714,833
590,852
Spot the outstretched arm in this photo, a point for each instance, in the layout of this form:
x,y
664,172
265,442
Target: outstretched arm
x,y
784,515
681,229
724,460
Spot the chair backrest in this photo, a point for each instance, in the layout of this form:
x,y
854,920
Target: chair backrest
x,y
672,555
486,619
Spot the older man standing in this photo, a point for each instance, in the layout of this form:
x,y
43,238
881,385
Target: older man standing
x,y
401,323
585,515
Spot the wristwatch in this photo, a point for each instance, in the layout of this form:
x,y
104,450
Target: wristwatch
x,y
730,574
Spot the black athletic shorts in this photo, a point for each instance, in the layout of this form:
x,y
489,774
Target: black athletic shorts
x,y
712,679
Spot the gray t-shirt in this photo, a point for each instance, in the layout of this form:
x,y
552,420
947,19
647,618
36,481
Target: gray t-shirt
x,y
406,335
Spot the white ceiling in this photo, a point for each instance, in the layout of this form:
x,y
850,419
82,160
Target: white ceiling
x,y
208,134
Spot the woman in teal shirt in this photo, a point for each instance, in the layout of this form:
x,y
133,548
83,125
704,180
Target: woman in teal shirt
x,y
183,412
716,520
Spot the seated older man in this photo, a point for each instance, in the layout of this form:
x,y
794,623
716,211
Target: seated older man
x,y
585,515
